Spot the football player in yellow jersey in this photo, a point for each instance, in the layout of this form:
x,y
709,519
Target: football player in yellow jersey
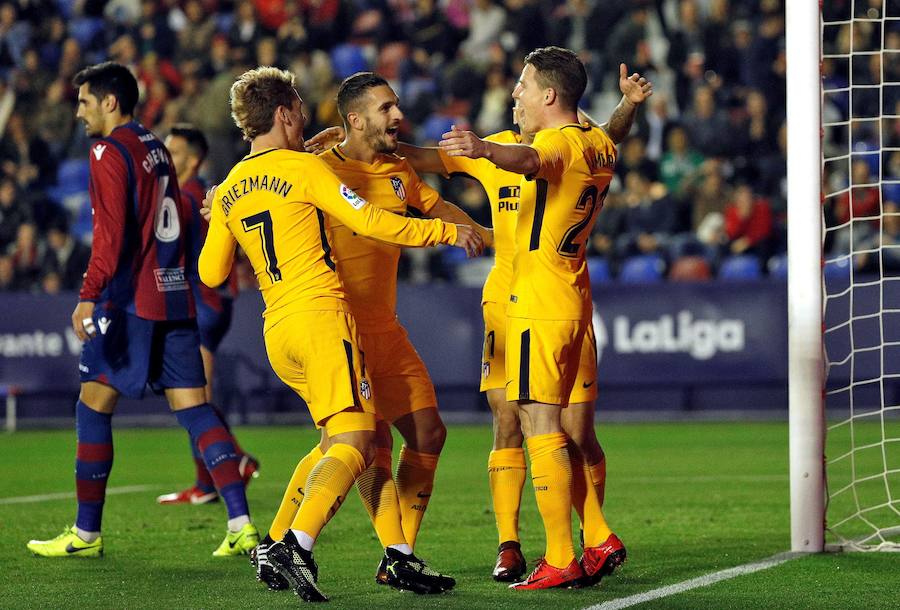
x,y
402,391
568,168
272,207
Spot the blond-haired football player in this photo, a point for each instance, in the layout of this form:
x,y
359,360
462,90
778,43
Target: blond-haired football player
x,y
273,204
568,168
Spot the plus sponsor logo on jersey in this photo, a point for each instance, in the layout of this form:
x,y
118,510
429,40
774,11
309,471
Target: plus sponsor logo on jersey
x,y
98,151
399,189
170,279
508,199
678,334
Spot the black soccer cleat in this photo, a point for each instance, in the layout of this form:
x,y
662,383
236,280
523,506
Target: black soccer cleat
x,y
381,575
297,567
409,573
265,573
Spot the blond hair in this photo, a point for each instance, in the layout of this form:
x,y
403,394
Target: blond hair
x,y
255,96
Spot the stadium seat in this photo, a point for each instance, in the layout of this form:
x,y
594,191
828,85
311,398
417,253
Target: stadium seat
x,y
690,269
473,272
434,127
646,269
742,267
598,269
778,266
347,59
73,175
451,259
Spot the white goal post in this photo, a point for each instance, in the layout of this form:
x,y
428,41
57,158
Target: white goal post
x,y
806,365
843,161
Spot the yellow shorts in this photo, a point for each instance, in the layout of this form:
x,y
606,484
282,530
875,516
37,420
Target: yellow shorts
x,y
317,354
493,360
400,381
542,359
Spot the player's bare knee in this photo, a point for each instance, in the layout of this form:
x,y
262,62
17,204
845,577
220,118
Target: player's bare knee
x,y
507,429
433,438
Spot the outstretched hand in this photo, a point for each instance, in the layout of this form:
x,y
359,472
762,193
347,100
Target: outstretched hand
x,y
468,238
635,88
325,139
460,143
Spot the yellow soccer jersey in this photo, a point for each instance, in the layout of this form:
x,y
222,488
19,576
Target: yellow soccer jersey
x,y
556,215
502,188
273,204
368,267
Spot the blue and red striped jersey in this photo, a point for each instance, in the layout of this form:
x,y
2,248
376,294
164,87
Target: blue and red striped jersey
x,y
141,228
193,192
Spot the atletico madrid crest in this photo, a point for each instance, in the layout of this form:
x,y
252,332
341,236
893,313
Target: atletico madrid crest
x,y
399,189
365,390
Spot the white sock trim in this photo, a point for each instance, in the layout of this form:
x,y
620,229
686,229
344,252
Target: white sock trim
x,y
236,524
403,548
306,541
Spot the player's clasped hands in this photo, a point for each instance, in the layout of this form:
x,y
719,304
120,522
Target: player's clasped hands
x,y
469,239
461,143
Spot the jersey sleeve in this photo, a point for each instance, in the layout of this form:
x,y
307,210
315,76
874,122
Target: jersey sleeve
x,y
331,196
554,152
217,254
423,197
109,195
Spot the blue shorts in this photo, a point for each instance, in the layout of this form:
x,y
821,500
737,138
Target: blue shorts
x,y
213,324
129,352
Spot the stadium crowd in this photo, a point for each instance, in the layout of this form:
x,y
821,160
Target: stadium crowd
x,y
700,185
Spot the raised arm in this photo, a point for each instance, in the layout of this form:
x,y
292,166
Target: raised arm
x,y
449,212
516,158
217,255
423,160
635,90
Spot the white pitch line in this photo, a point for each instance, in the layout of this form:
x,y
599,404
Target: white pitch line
x,y
695,583
67,495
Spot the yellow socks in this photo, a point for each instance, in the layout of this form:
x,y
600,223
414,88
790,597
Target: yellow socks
x,y
293,495
415,480
596,530
379,496
551,475
506,475
327,486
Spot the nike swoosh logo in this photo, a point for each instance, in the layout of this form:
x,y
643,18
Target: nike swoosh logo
x,y
586,385
73,549
231,545
543,476
423,495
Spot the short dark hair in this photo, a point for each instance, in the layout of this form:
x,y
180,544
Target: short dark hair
x,y
195,139
561,70
353,87
110,78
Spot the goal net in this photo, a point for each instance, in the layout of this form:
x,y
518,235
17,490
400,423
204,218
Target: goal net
x,y
860,118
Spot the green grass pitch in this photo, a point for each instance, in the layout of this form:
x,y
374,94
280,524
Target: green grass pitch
x,y
687,499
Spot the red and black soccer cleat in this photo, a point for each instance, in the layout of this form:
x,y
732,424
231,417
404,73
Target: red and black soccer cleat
x,y
546,576
248,468
510,566
600,561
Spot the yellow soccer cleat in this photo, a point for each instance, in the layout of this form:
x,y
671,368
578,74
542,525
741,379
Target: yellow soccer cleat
x,y
238,543
67,544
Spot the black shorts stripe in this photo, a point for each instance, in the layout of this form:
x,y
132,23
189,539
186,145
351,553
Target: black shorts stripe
x,y
524,359
354,385
540,202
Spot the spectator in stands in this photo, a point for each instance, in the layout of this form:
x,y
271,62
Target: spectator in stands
x,y
13,212
748,224
609,226
65,258
7,275
649,217
26,253
54,120
486,22
860,205
633,157
679,163
194,38
26,157
705,123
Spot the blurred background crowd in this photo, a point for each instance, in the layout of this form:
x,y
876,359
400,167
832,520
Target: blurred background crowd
x,y
700,184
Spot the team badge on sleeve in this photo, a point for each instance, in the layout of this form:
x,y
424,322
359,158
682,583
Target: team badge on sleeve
x,y
365,390
355,201
399,189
